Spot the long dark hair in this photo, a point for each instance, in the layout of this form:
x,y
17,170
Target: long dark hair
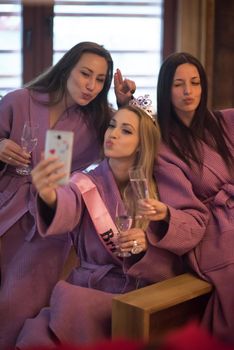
x,y
208,127
54,82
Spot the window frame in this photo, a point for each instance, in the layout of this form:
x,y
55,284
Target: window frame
x,y
37,34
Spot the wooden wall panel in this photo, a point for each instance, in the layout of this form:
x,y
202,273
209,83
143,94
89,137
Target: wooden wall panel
x,y
169,27
37,39
223,68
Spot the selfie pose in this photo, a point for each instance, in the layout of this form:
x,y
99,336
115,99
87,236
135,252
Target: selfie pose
x,y
80,308
72,96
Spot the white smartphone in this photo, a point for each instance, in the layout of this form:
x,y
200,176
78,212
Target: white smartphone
x,y
60,143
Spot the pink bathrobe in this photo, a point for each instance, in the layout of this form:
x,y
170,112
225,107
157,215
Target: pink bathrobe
x,y
80,308
203,203
30,265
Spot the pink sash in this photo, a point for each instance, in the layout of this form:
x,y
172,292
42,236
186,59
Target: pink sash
x,y
97,210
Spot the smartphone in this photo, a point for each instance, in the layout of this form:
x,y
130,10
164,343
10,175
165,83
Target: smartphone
x,y
60,143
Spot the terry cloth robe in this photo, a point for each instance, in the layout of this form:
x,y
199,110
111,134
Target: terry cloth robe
x,y
202,220
80,308
31,265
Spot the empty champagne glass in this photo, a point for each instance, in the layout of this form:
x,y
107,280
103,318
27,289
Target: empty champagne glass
x,y
28,143
139,182
123,221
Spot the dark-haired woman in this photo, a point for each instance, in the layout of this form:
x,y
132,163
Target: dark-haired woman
x,y
195,177
71,95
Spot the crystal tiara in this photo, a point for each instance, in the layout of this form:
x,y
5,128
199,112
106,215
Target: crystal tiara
x,y
145,103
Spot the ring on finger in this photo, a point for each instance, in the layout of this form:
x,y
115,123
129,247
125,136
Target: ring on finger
x,y
10,158
136,248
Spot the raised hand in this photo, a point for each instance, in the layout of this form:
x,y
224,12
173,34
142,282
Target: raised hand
x,y
124,88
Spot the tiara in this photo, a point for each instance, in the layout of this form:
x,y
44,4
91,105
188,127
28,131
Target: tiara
x,y
145,103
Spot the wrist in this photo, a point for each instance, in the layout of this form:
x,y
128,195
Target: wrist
x,y
121,104
49,200
167,215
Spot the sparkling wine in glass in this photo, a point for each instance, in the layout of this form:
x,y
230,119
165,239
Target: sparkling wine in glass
x,y
123,221
28,143
139,182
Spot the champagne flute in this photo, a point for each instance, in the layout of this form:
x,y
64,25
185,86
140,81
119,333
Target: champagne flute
x,y
139,182
123,221
28,143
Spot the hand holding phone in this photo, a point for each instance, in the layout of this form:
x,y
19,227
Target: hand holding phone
x,y
60,143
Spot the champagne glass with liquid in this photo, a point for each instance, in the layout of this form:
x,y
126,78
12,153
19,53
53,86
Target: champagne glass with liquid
x,y
123,221
139,182
28,143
